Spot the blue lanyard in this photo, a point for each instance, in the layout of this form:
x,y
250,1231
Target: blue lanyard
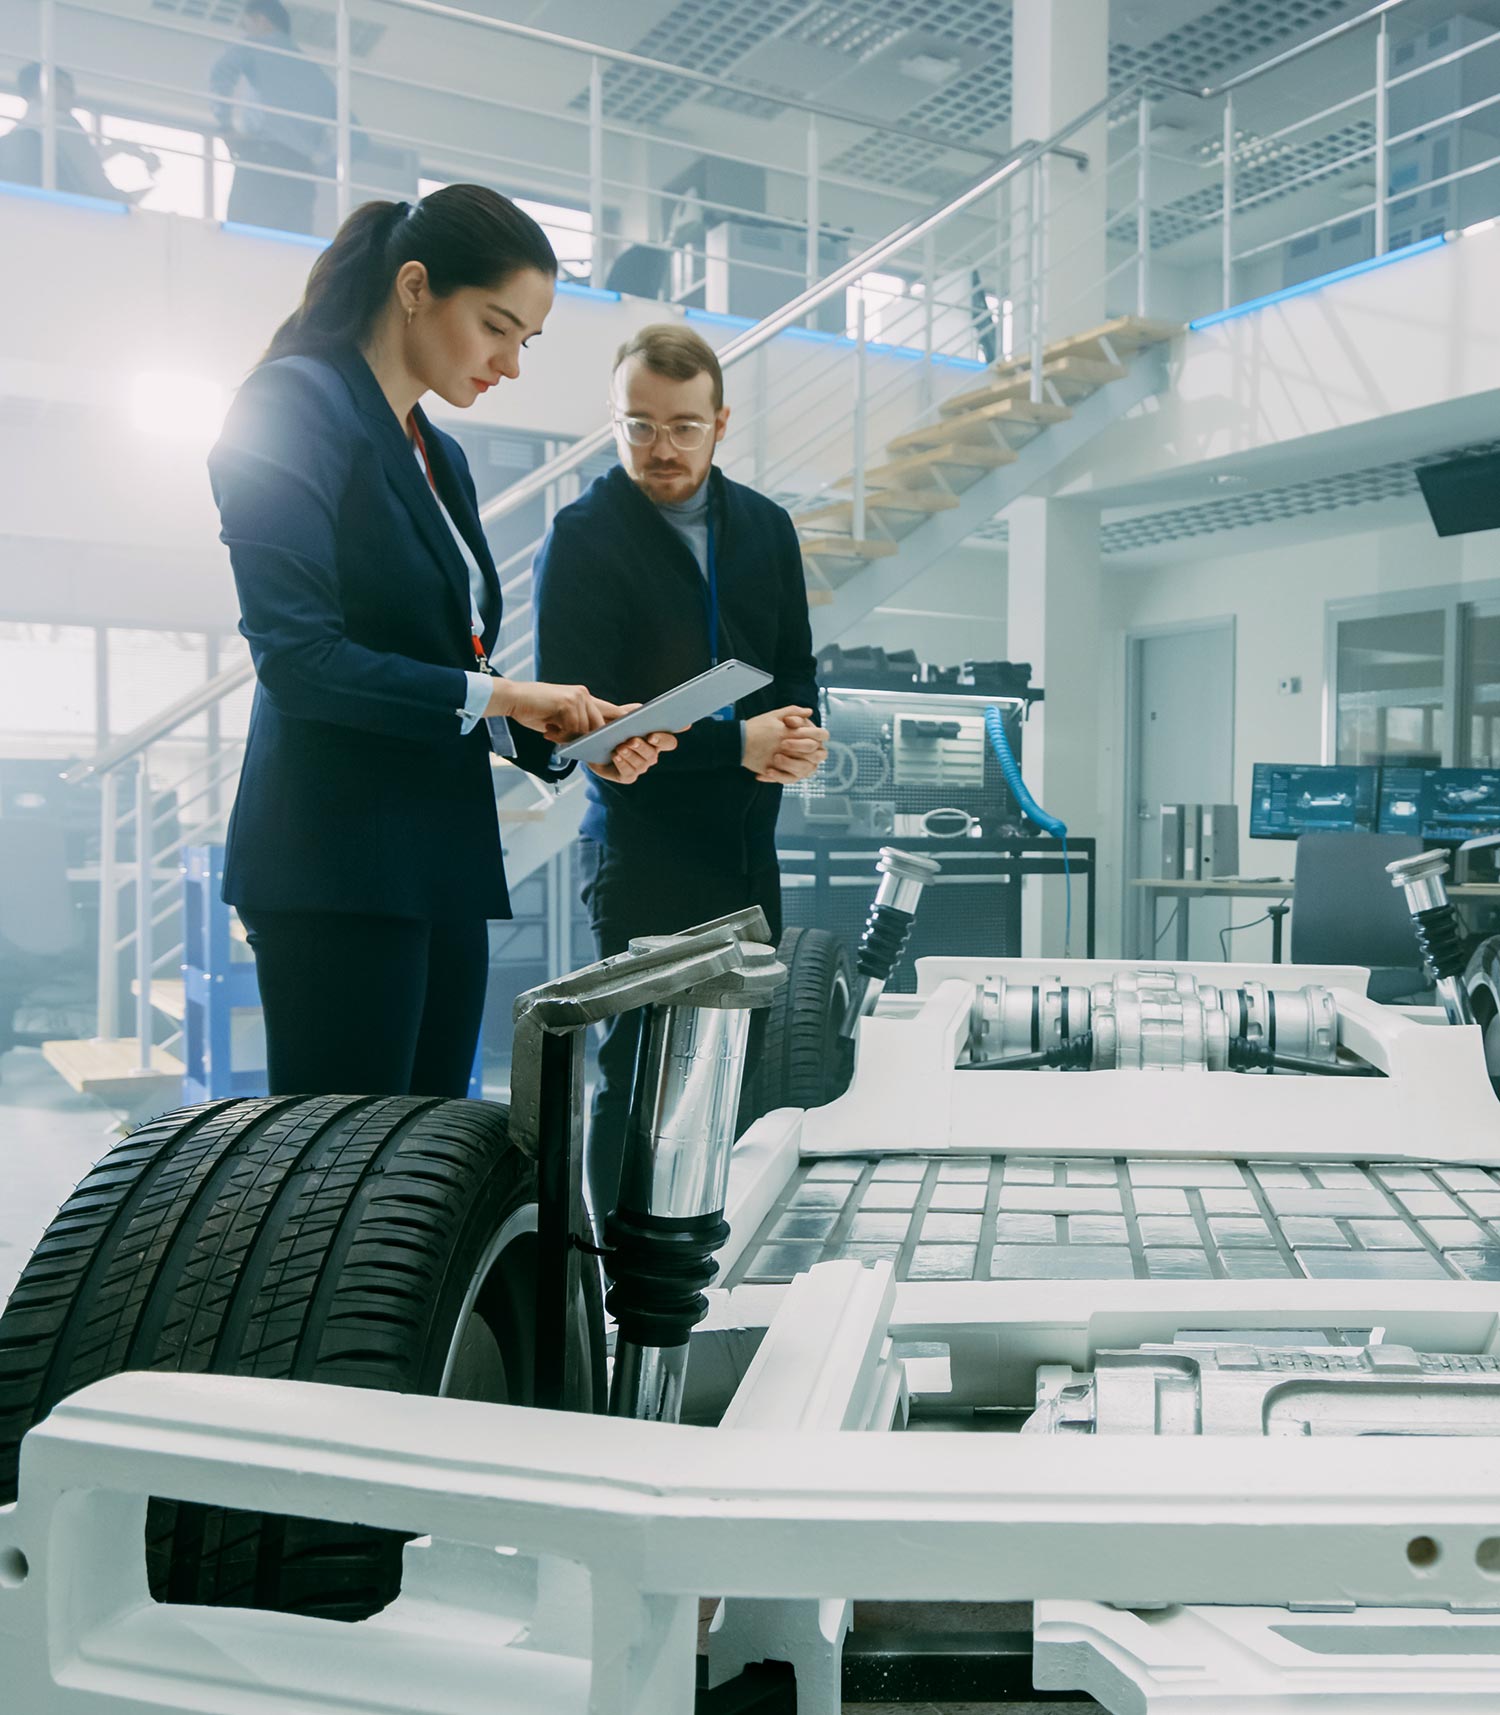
x,y
711,574
711,578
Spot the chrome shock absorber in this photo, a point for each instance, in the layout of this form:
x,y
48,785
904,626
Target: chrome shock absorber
x,y
1440,932
661,1238
902,878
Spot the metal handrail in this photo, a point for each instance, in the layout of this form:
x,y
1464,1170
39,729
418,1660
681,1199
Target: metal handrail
x,y
538,481
129,747
792,312
665,68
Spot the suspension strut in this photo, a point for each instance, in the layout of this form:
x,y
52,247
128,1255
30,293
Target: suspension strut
x,y
1439,929
887,928
661,1238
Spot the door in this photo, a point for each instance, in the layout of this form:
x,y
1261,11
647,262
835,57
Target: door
x,y
1181,730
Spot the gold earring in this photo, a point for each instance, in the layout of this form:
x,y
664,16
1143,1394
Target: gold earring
x,y
411,310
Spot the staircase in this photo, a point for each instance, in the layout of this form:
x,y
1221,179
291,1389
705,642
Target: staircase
x,y
985,447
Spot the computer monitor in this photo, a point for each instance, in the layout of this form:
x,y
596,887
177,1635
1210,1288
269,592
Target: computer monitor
x,y
1289,798
1401,800
1460,804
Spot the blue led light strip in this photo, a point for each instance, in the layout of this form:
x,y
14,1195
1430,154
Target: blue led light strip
x,y
1319,282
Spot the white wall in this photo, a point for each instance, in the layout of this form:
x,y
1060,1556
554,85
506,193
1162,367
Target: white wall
x,y
1416,339
97,514
955,611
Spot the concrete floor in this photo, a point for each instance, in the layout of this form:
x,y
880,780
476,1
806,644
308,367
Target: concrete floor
x,y
50,1137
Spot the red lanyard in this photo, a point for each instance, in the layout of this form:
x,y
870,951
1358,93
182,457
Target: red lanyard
x,y
474,637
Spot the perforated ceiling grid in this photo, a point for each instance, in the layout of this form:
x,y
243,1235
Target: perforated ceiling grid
x,y
1265,173
715,35
1265,506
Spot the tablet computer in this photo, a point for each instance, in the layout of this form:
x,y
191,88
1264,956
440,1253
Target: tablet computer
x,y
690,701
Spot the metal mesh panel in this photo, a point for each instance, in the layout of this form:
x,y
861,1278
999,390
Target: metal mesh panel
x,y
981,1217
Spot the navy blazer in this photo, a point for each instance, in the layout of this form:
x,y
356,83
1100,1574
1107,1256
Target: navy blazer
x,y
358,792
620,607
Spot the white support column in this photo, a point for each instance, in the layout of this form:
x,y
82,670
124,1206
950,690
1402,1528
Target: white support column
x,y
1226,263
1054,597
597,270
1382,133
861,372
1143,207
1060,55
814,268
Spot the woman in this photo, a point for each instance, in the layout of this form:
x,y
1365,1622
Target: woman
x,y
364,852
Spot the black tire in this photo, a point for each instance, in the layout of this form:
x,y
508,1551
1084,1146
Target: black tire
x,y
332,1239
800,1064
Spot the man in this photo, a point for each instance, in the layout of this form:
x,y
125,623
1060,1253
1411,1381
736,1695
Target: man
x,y
661,569
80,160
261,86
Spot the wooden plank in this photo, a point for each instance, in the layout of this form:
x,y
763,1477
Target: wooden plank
x,y
1068,374
1127,334
907,474
841,512
980,425
106,1067
168,995
848,548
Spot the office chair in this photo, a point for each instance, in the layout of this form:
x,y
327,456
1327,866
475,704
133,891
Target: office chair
x,y
38,925
1345,911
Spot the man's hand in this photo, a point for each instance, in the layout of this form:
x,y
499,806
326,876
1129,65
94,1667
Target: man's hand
x,y
630,760
558,712
783,746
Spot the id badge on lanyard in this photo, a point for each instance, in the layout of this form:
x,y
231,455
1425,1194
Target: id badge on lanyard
x,y
476,624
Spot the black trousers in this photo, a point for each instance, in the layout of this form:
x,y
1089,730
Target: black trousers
x,y
271,199
368,1006
630,894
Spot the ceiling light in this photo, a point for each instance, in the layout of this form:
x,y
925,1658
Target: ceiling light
x,y
929,68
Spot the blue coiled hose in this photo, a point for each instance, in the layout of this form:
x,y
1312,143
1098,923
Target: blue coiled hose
x,y
994,726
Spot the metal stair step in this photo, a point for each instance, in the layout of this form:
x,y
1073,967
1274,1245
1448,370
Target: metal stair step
x,y
914,471
918,500
1070,376
1127,334
980,424
168,995
108,1069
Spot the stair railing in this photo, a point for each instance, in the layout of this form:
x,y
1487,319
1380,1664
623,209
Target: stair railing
x,y
143,831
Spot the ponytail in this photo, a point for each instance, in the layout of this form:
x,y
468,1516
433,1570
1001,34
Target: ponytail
x,y
464,235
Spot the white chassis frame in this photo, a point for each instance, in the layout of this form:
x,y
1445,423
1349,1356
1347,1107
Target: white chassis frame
x,y
560,1560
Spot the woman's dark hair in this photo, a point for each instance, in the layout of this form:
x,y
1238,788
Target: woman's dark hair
x,y
464,235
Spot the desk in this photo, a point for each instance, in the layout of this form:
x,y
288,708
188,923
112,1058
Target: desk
x,y
1229,887
1233,887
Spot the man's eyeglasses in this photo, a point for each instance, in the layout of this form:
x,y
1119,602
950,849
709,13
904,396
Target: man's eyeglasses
x,y
687,434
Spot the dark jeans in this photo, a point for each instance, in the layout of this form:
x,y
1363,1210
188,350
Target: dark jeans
x,y
630,894
368,1006
271,198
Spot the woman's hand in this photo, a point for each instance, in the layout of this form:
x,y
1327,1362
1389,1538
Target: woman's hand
x,y
558,712
630,760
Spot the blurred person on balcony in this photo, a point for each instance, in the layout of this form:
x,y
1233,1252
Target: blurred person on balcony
x,y
272,105
80,157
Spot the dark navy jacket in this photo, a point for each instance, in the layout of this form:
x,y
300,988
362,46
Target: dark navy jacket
x,y
621,607
358,792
